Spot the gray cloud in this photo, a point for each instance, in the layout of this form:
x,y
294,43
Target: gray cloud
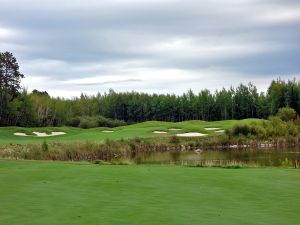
x,y
108,82
119,40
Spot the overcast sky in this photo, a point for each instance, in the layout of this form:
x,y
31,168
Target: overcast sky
x,y
164,46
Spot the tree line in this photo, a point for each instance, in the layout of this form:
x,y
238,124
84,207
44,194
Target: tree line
x,y
20,108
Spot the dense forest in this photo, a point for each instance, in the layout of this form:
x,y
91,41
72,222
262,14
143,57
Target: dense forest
x,y
20,108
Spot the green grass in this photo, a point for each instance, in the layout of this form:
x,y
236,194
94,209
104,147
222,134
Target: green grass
x,y
144,129
50,193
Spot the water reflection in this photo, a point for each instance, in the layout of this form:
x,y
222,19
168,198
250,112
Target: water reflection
x,y
251,157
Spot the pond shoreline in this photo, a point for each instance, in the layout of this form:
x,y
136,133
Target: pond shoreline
x,y
138,151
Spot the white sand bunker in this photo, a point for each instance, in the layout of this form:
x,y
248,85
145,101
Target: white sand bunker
x,y
212,128
175,129
191,134
21,134
159,132
220,131
43,134
107,131
40,134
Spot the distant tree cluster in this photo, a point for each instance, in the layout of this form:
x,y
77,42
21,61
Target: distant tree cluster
x,y
17,107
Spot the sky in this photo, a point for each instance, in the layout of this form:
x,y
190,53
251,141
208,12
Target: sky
x,y
155,46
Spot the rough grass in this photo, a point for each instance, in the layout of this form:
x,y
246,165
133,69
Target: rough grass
x,y
144,129
50,193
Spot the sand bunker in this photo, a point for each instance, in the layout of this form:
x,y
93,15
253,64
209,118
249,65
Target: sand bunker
x,y
159,132
107,131
191,134
21,134
40,134
220,131
212,128
175,129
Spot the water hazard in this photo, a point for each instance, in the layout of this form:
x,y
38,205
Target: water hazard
x,y
225,157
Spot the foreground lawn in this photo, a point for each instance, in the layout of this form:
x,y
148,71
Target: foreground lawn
x,y
36,193
144,129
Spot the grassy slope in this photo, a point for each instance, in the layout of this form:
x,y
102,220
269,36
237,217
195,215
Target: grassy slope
x,y
49,193
137,130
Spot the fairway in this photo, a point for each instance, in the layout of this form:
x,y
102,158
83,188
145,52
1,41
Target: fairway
x,y
50,193
144,129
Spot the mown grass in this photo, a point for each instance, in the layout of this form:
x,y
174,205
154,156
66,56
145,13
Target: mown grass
x,y
50,193
143,130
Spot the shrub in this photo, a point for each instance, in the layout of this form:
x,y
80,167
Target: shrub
x,y
240,130
297,120
73,122
107,122
45,146
94,121
88,123
285,163
286,114
257,130
98,162
291,129
174,140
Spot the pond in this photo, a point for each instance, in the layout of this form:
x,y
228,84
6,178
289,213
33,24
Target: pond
x,y
226,157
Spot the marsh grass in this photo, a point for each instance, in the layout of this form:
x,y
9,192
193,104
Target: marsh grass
x,y
230,164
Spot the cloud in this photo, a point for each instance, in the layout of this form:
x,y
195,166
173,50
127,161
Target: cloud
x,y
5,33
163,45
93,83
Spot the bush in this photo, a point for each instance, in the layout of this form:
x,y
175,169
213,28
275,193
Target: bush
x,y
291,129
107,122
240,130
88,123
257,130
285,163
94,121
297,121
174,140
73,122
286,114
45,146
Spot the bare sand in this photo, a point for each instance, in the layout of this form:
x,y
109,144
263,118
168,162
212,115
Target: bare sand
x,y
191,134
212,128
40,134
21,134
220,131
175,129
159,132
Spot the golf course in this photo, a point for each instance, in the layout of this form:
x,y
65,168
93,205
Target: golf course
x,y
141,130
112,125
34,192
